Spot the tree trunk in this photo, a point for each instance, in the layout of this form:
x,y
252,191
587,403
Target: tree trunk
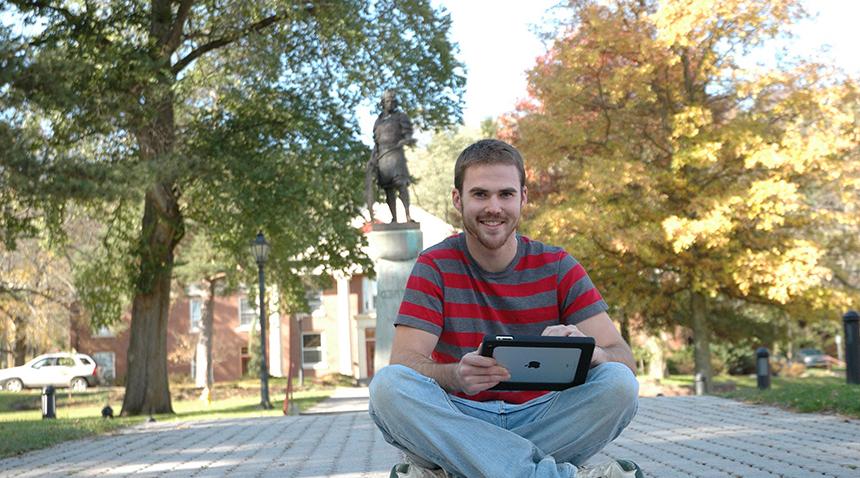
x,y
147,389
701,339
205,372
4,353
76,322
20,352
625,328
657,357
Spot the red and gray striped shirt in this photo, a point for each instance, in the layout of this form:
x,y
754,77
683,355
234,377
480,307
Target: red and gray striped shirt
x,y
449,295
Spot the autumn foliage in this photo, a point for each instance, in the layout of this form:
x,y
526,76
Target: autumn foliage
x,y
697,190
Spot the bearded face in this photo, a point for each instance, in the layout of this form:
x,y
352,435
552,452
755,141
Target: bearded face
x,y
491,204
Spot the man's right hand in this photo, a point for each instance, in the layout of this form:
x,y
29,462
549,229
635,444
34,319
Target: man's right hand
x,y
472,374
476,373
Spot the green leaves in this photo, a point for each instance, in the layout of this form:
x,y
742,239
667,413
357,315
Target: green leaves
x,y
245,109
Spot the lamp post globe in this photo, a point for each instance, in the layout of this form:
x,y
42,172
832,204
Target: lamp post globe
x,y
260,249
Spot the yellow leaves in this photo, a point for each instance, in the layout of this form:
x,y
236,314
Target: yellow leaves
x,y
690,148
769,201
767,155
780,273
689,121
759,81
799,150
805,147
680,22
700,154
618,245
688,23
711,231
765,204
553,223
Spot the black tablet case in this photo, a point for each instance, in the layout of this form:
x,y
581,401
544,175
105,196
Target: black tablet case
x,y
584,344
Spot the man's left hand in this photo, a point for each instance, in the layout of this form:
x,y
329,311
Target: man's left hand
x,y
599,355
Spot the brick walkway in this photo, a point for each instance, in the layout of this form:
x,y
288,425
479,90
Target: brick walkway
x,y
671,436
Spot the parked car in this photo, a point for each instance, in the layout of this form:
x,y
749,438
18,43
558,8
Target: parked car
x,y
812,357
77,371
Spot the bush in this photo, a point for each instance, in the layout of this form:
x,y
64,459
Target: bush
x,y
641,355
784,368
734,359
681,362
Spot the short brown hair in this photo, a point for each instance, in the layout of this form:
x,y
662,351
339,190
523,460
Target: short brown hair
x,y
488,151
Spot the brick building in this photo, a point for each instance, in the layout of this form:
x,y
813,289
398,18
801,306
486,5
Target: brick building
x,y
337,336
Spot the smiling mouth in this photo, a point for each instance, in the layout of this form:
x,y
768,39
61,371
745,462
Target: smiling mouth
x,y
491,222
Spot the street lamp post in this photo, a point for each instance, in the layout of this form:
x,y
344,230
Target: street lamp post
x,y
260,249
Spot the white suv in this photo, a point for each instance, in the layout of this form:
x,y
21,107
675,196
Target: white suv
x,y
77,371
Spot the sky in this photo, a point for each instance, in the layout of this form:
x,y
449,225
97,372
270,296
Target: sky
x,y
498,46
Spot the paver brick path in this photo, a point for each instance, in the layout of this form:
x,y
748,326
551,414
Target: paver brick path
x,y
715,437
671,436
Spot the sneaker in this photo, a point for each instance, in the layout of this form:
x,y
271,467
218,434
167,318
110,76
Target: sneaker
x,y
610,469
411,470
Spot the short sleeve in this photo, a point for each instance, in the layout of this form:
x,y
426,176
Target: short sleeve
x,y
421,307
579,299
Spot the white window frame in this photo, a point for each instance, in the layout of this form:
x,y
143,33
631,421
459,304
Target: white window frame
x,y
368,292
321,364
252,312
192,326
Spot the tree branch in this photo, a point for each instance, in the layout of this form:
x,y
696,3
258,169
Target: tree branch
x,y
15,292
37,4
224,41
175,36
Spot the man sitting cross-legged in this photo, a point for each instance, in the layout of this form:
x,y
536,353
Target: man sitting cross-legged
x,y
433,401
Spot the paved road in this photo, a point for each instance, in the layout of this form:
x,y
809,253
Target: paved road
x,y
671,437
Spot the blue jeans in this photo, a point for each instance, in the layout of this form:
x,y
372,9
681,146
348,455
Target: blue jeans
x,y
545,437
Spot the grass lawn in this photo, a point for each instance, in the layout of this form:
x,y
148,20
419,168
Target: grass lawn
x,y
817,391
79,414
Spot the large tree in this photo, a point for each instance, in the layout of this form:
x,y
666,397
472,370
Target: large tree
x,y
694,189
239,116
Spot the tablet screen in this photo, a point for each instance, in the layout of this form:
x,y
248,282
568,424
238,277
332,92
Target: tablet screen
x,y
539,364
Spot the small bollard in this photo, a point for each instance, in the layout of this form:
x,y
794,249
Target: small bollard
x,y
851,321
762,368
49,403
700,384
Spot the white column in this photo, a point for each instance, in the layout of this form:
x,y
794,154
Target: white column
x,y
344,353
275,350
394,249
200,364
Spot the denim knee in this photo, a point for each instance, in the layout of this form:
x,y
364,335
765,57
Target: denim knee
x,y
619,383
384,383
389,385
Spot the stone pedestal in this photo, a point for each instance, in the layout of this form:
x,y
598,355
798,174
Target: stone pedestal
x,y
393,249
